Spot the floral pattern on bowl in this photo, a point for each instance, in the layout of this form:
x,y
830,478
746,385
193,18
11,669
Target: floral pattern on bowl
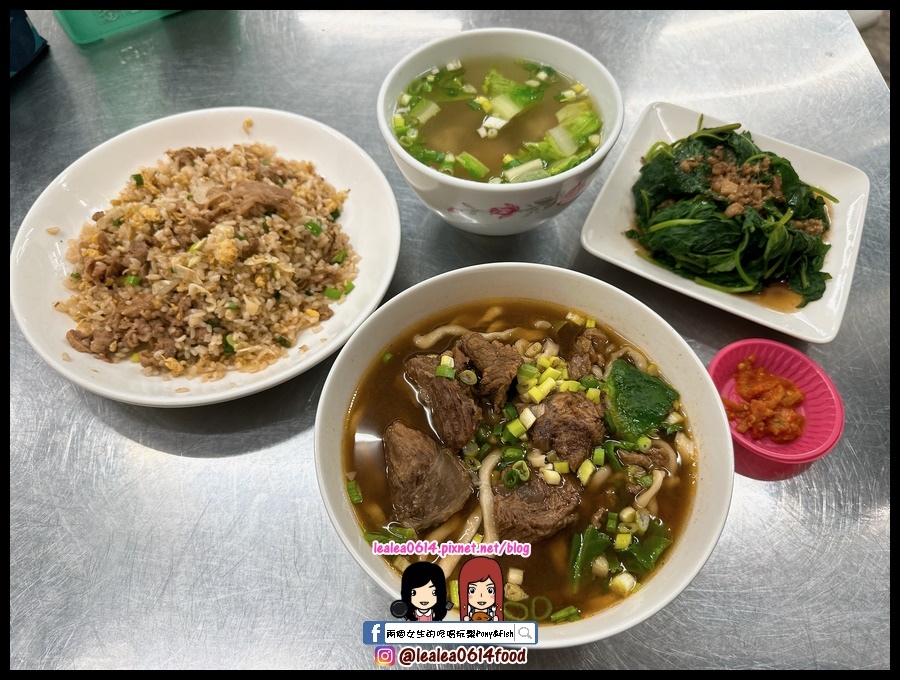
x,y
510,209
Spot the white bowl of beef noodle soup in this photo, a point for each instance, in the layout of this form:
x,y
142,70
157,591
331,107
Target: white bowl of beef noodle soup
x,y
514,405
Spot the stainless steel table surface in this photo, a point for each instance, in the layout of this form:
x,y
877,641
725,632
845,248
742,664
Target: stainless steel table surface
x,y
144,538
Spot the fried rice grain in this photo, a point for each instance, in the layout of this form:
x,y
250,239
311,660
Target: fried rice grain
x,y
213,260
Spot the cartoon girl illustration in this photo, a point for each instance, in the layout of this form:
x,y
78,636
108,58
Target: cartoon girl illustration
x,y
481,590
423,592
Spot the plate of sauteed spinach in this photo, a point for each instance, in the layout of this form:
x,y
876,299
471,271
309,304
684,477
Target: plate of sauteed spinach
x,y
755,226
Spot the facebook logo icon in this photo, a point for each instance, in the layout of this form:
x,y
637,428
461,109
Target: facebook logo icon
x,y
373,632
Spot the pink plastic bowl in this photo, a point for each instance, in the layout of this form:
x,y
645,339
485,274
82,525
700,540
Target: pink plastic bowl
x,y
822,406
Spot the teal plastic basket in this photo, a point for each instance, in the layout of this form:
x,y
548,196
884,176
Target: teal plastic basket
x,y
88,25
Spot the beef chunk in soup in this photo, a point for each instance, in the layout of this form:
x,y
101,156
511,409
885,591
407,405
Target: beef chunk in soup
x,y
535,510
587,352
495,363
655,458
428,484
455,413
569,424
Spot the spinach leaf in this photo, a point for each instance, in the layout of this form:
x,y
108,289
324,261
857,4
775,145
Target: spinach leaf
x,y
642,555
586,547
682,224
638,401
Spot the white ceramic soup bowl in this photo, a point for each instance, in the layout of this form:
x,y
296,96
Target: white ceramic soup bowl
x,y
501,209
615,309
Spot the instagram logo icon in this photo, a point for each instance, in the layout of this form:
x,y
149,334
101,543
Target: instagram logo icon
x,y
384,656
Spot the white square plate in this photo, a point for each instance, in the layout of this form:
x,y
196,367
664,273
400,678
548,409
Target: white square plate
x,y
603,234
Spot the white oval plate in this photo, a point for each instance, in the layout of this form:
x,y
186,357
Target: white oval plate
x,y
38,264
612,215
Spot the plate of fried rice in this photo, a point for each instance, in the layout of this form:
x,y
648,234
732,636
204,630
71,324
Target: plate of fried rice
x,y
204,256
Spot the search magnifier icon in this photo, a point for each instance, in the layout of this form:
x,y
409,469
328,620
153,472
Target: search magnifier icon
x,y
525,633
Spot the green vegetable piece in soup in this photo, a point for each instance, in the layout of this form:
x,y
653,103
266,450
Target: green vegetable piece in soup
x,y
639,402
641,556
586,547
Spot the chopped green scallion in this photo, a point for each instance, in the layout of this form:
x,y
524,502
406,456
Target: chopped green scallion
x,y
512,454
521,468
372,536
472,165
527,372
570,613
468,377
403,533
354,493
541,608
515,428
585,470
612,521
516,611
445,371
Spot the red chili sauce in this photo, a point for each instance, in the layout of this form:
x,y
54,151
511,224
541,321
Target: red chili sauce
x,y
769,406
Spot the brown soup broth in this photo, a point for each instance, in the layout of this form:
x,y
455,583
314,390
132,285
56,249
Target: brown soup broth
x,y
385,394
455,128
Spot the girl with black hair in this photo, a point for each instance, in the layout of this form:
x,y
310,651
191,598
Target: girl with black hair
x,y
423,592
